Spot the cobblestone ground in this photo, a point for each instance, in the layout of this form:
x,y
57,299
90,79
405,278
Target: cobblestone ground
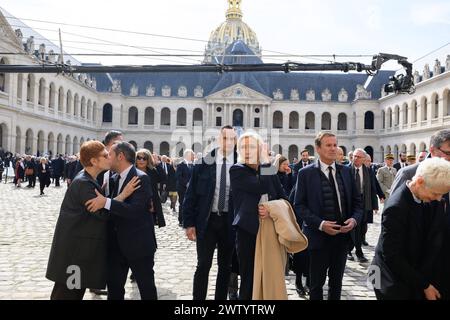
x,y
27,224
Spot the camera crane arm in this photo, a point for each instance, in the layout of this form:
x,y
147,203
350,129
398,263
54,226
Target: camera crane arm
x,y
398,84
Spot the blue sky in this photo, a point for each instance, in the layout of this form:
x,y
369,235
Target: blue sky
x,y
408,28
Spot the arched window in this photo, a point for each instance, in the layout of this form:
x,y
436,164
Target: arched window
x,y
383,119
181,117
76,105
310,121
40,143
89,109
197,117
69,102
326,121
164,149
19,85
3,78
134,144
133,115
149,117
165,117
369,151
278,149
368,120
52,96
293,120
30,87
61,99
51,143
277,120
238,118
29,139
83,107
397,115
446,101
68,145
414,111
3,137
310,149
424,104
148,145
435,105
75,145
59,144
107,113
389,118
342,121
293,152
405,110
41,99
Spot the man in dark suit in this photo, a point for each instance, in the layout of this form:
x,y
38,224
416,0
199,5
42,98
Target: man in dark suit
x,y
409,257
330,207
183,175
208,215
402,163
58,167
365,186
304,161
131,238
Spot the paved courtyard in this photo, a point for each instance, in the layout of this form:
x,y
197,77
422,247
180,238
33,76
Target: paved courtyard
x,y
27,223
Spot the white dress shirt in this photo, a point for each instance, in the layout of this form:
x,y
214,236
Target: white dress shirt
x,y
123,176
219,161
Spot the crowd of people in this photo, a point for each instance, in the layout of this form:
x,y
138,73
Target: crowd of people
x,y
115,195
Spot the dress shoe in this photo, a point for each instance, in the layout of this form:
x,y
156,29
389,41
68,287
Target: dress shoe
x,y
364,243
350,257
362,259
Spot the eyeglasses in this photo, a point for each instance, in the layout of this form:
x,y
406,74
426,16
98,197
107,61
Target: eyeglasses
x,y
141,158
447,153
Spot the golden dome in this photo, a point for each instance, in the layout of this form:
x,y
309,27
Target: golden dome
x,y
229,31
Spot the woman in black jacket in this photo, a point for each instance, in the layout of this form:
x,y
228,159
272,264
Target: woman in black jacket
x,y
253,181
78,254
284,174
145,163
44,175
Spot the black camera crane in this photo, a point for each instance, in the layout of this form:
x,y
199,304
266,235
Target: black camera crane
x,y
402,83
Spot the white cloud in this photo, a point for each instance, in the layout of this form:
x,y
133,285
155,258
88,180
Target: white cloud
x,y
430,13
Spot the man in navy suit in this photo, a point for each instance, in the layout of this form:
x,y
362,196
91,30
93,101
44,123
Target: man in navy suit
x,y
208,215
327,202
131,234
183,175
303,162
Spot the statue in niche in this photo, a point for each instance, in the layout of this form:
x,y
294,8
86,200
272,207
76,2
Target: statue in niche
x,y
310,95
150,92
134,90
182,91
198,92
326,95
294,94
343,95
165,91
116,86
278,94
416,77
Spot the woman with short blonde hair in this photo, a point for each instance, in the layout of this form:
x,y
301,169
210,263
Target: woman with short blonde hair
x,y
253,181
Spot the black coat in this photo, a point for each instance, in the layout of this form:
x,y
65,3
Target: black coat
x,y
199,196
183,175
44,174
58,166
132,230
80,237
247,187
171,179
158,215
408,253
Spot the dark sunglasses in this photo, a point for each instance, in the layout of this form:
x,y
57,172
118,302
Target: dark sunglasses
x,y
141,158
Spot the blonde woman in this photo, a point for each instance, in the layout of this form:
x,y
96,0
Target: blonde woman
x,y
252,181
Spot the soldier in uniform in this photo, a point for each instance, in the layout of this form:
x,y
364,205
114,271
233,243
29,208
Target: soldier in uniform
x,y
386,175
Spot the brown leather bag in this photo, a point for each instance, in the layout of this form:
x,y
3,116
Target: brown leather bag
x,y
29,172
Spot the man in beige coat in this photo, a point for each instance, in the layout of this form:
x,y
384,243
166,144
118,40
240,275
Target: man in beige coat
x,y
386,175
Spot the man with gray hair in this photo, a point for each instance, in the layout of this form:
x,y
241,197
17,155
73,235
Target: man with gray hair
x,y
183,175
366,188
411,255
